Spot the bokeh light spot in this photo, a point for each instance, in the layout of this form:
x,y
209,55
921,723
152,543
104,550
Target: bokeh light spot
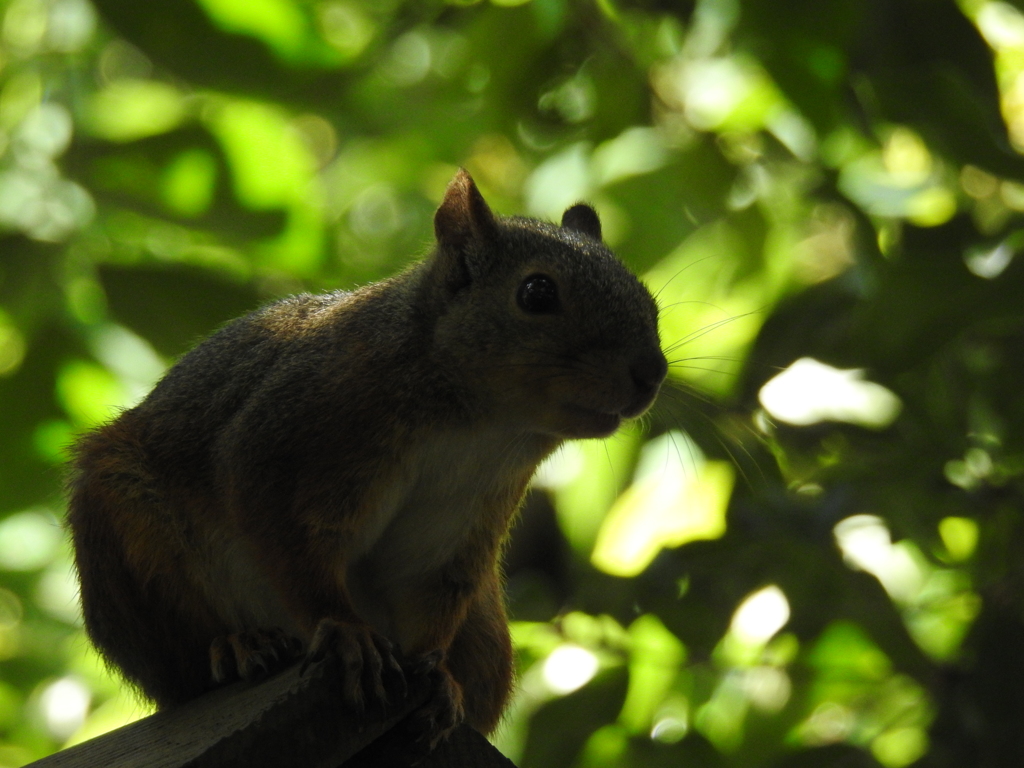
x,y
809,392
568,668
761,615
899,747
960,537
28,540
64,705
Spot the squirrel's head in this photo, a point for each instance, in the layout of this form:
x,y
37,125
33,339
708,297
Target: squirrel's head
x,y
550,329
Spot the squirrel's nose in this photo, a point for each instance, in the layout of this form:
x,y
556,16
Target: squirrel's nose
x,y
648,372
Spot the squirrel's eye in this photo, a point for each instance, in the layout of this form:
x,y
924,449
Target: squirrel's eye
x,y
538,295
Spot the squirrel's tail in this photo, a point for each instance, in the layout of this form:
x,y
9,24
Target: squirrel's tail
x,y
114,515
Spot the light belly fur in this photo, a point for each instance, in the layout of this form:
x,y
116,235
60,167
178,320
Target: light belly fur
x,y
421,513
427,508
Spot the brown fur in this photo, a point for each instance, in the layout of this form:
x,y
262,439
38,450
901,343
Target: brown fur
x,y
357,458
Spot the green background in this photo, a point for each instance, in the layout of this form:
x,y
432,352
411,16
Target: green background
x,y
829,574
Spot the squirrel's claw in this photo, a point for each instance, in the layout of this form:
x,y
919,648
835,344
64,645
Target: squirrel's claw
x,y
443,711
364,658
427,663
251,654
392,670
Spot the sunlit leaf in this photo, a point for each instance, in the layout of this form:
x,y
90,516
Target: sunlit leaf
x,y
188,184
844,650
127,110
90,394
279,23
676,497
960,536
583,500
655,657
271,168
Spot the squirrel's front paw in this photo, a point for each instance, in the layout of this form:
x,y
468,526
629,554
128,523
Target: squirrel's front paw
x,y
365,659
443,712
251,654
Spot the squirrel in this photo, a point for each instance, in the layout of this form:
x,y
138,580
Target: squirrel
x,y
336,474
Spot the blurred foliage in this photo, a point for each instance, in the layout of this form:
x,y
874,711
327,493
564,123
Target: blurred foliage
x,y
824,571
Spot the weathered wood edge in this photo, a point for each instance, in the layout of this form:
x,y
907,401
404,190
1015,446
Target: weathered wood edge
x,y
287,719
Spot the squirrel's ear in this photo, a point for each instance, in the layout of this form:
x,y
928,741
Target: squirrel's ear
x,y
463,215
582,218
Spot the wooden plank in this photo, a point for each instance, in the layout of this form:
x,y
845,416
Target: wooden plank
x,y
465,748
287,719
